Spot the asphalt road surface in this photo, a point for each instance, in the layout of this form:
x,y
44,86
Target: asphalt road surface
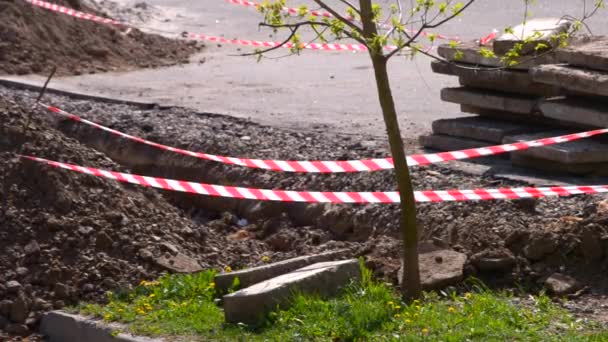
x,y
329,91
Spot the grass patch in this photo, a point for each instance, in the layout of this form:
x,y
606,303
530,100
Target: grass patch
x,y
182,307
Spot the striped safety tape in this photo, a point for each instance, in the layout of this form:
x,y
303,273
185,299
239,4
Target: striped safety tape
x,y
75,13
296,11
345,165
327,197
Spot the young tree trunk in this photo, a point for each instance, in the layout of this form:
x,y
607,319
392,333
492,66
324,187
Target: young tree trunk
x,y
410,281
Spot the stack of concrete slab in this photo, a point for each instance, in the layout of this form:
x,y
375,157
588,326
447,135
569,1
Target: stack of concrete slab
x,y
560,92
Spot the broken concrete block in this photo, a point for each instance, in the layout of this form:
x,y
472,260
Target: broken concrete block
x,y
560,284
591,82
178,263
449,143
578,111
490,100
479,128
590,150
251,304
540,30
511,81
439,268
254,275
590,52
494,261
469,52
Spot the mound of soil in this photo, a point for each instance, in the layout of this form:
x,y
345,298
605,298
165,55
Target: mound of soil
x,y
33,40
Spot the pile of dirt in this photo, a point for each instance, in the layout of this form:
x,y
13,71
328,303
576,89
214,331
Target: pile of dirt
x,y
67,237
33,40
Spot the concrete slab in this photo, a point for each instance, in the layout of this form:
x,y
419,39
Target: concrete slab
x,y
253,303
557,168
254,275
59,326
591,52
585,81
442,142
540,30
439,267
511,81
490,99
479,128
578,111
470,55
590,150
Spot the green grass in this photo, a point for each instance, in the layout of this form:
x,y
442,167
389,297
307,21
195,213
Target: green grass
x,y
182,307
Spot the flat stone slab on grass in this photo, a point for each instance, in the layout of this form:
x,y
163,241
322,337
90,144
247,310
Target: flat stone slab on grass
x,y
490,99
438,267
442,142
479,128
540,30
589,150
511,81
575,79
470,55
250,276
325,279
579,111
59,326
591,52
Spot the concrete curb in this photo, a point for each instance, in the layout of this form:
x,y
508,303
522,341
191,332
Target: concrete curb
x,y
60,326
33,87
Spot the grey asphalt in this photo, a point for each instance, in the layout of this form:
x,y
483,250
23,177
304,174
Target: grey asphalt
x,y
329,91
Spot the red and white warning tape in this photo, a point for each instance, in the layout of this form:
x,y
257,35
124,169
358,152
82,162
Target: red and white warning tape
x,y
345,165
74,13
296,11
327,197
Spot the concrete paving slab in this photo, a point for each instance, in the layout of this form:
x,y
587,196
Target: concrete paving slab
x,y
590,150
576,110
448,143
60,326
539,29
585,81
490,99
579,169
591,52
479,128
325,279
250,276
510,81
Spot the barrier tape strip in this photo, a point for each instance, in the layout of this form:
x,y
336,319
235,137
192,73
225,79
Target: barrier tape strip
x,y
75,13
296,11
327,197
346,165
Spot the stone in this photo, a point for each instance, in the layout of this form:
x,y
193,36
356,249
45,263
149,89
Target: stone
x,y
13,286
580,169
575,79
250,276
5,307
540,246
61,291
591,244
470,55
19,310
85,230
490,99
560,284
479,128
510,81
591,52
252,304
178,263
32,248
588,150
494,261
439,268
540,30
442,142
576,110
17,329
22,271
103,241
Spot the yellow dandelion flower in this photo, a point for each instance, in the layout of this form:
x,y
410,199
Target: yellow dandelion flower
x,y
143,283
418,307
211,285
415,315
152,295
227,269
425,331
120,310
451,310
265,258
390,303
397,315
107,317
408,321
467,295
397,307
